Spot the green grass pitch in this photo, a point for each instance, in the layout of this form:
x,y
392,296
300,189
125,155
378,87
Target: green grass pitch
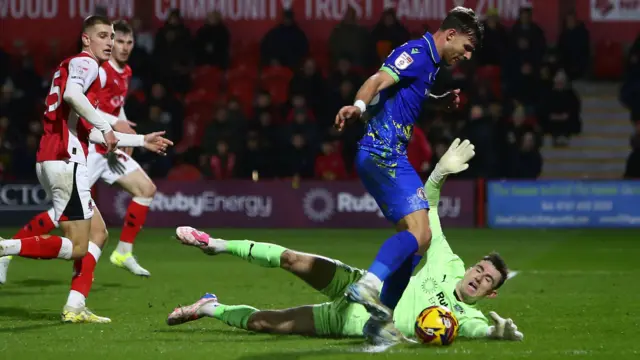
x,y
576,296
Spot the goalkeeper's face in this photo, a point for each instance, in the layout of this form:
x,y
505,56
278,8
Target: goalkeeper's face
x,y
479,282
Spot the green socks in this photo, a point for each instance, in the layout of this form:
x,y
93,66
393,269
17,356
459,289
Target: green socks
x,y
263,254
236,316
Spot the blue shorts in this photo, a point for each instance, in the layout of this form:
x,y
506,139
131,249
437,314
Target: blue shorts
x,y
394,184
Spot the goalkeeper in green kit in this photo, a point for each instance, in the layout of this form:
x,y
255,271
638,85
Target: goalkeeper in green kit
x,y
443,280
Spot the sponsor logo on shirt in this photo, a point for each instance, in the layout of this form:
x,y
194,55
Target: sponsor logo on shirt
x,y
403,61
441,299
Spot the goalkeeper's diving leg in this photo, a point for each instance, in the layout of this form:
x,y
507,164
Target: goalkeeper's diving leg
x,y
317,271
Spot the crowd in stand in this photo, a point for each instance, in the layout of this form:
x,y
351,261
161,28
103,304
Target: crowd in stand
x,y
266,110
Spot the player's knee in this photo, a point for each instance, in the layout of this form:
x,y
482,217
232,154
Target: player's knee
x,y
148,190
259,323
79,250
418,225
424,239
99,236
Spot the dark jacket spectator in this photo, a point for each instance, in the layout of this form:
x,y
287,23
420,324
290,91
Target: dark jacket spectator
x,y
286,43
525,86
310,83
518,124
389,33
255,162
351,41
301,124
630,91
344,71
24,159
221,128
574,47
212,42
298,158
172,53
526,161
172,109
561,111
479,129
632,169
525,28
495,43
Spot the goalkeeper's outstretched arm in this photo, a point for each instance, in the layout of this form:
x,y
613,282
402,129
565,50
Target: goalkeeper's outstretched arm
x,y
452,162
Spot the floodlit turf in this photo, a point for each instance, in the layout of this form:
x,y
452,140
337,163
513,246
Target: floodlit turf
x,y
576,297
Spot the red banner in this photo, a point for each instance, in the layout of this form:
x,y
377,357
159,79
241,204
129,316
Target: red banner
x,y
246,204
617,20
39,22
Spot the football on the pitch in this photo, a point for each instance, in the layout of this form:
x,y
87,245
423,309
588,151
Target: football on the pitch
x,y
436,325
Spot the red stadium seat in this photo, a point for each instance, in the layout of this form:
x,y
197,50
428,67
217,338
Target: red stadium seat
x,y
242,72
246,54
207,77
201,102
320,53
383,48
609,60
200,95
278,89
244,91
276,73
192,133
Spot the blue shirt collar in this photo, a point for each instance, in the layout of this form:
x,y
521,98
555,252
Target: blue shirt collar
x,y
431,43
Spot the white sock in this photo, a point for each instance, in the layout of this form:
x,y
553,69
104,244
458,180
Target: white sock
x,y
76,300
52,216
95,251
124,247
144,201
66,249
10,247
218,244
372,280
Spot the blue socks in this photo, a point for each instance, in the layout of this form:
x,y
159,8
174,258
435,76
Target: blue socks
x,y
397,282
394,265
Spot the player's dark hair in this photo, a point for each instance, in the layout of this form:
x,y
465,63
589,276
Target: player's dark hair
x,y
122,26
500,265
464,20
94,20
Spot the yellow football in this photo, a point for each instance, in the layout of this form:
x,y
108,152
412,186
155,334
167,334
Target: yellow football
x,y
436,325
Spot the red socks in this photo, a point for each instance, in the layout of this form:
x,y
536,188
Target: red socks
x,y
83,271
133,221
52,247
41,224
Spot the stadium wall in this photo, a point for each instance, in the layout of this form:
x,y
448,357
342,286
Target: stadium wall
x,y
318,204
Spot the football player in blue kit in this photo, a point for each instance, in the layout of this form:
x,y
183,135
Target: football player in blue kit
x,y
390,102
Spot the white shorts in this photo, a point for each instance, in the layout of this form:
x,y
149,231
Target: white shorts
x,y
99,167
67,184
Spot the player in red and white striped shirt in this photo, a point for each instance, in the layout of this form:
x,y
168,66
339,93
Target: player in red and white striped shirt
x,y
70,122
112,167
